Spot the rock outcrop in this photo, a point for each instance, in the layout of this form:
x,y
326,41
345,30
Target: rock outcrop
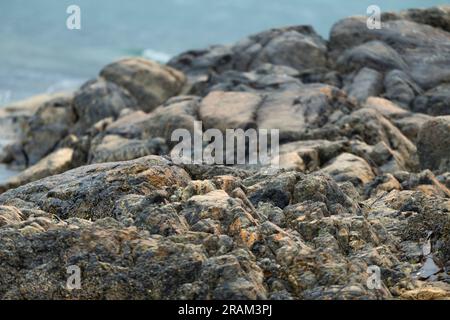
x,y
363,181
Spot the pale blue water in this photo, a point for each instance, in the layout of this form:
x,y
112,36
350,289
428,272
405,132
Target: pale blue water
x,y
39,54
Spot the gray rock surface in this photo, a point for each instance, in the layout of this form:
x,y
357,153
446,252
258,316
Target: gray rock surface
x,y
363,180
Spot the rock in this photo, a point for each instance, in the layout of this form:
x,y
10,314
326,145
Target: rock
x,y
308,155
385,107
428,293
438,17
410,124
366,83
177,113
348,167
97,100
435,102
229,110
90,192
375,55
52,122
322,188
349,193
295,113
267,77
115,148
55,163
149,83
422,51
297,47
400,88
374,129
433,144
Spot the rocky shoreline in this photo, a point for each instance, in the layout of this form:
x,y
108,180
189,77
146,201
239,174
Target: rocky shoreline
x,y
364,122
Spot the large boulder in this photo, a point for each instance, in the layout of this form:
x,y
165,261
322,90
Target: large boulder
x,y
91,191
97,100
423,52
148,82
298,47
433,144
51,123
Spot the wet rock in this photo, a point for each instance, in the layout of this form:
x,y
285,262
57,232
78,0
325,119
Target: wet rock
x,y
149,83
433,144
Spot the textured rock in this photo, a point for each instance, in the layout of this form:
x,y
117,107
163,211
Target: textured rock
x,y
222,110
348,167
434,144
57,162
97,100
51,122
349,193
435,102
149,83
422,51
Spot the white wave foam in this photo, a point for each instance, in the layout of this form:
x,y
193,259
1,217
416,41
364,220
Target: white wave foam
x,y
158,56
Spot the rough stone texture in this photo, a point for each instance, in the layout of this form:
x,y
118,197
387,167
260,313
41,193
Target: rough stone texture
x,y
422,51
55,163
355,114
51,122
434,144
148,82
98,100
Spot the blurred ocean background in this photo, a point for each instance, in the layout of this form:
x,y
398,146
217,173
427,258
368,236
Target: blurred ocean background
x,y
39,54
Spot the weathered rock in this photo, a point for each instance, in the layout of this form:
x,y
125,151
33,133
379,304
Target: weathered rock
x,y
433,144
348,195
438,17
423,52
322,188
370,126
348,167
295,113
374,54
57,162
91,192
233,110
51,123
366,83
435,102
400,88
113,148
97,100
149,83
